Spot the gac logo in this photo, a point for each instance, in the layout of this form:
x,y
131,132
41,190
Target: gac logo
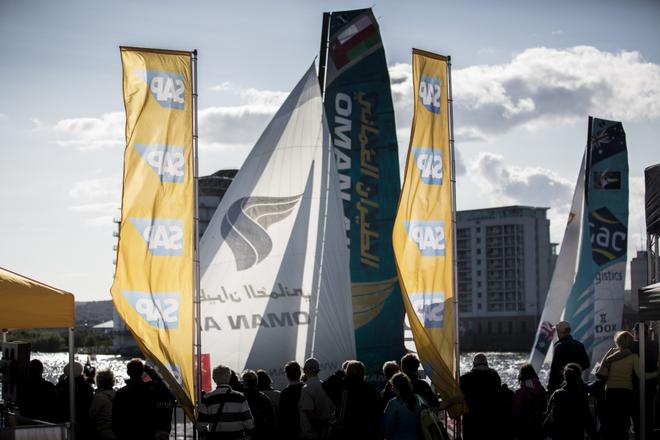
x,y
159,309
164,237
167,161
168,88
429,163
428,235
430,93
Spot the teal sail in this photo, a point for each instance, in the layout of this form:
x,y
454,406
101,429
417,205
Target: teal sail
x,y
358,104
595,304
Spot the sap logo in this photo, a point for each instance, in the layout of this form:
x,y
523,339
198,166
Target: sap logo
x,y
428,235
168,161
429,163
163,237
168,88
429,307
430,92
609,238
159,309
175,371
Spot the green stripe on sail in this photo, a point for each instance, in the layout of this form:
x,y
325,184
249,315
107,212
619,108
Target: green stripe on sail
x,y
363,46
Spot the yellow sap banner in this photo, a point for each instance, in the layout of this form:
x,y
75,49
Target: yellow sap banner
x,y
423,232
153,285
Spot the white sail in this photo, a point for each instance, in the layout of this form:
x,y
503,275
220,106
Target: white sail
x,y
275,281
563,278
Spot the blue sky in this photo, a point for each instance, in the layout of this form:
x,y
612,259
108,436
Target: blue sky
x,y
526,76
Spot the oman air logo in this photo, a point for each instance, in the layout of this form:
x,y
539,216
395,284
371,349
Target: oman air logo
x,y
164,237
429,307
168,88
429,163
167,161
159,309
429,236
608,236
245,224
430,89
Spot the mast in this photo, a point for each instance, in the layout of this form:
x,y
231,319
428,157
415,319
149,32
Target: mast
x,y
197,312
450,101
323,61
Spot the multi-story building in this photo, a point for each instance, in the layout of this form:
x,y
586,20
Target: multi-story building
x,y
211,190
638,277
504,266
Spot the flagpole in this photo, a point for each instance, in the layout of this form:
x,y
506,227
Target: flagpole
x,y
197,313
457,367
450,101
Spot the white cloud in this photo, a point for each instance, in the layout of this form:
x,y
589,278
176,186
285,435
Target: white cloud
x,y
97,199
3,116
88,134
238,127
541,86
38,125
221,87
94,189
514,185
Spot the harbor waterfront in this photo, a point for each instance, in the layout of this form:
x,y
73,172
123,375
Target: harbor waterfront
x,y
506,364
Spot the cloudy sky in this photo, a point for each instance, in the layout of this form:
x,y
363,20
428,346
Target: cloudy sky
x,y
527,74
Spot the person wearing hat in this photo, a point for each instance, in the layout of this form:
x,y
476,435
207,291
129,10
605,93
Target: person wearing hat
x,y
316,408
481,388
566,350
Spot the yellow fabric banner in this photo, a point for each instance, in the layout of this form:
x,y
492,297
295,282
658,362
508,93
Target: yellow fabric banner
x,y
153,285
423,233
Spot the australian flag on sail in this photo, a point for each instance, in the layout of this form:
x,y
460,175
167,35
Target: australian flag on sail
x,y
546,333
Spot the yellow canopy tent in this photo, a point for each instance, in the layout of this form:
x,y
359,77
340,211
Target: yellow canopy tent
x,y
26,303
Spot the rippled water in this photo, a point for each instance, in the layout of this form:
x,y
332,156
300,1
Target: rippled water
x,y
506,364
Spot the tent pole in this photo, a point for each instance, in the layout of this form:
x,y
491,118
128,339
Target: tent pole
x,y
641,335
4,335
72,386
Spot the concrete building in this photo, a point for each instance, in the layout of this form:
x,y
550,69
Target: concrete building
x,y
505,262
638,277
211,190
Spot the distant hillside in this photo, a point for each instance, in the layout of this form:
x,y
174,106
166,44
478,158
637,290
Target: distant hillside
x,y
93,312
